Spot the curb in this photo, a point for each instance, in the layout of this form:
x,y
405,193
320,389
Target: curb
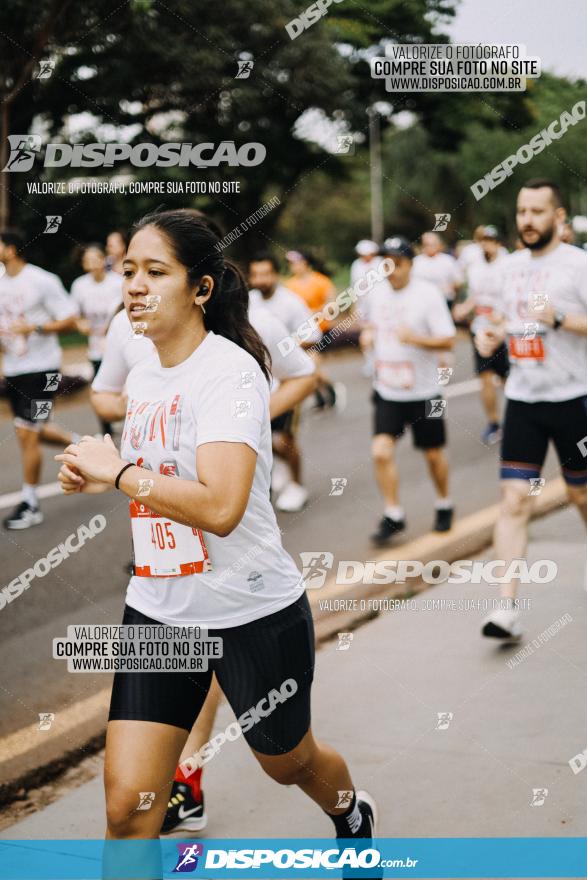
x,y
469,536
28,754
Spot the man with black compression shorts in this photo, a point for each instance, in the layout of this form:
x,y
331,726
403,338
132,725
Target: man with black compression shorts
x,y
541,295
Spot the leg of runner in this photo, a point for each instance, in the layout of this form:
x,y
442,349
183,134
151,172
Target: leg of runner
x,y
510,541
24,393
105,426
56,435
511,529
489,401
186,810
140,757
316,768
273,711
523,451
284,445
386,475
438,466
327,394
28,513
578,496
294,495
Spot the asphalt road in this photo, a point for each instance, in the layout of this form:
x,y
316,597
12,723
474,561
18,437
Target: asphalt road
x,y
89,586
455,736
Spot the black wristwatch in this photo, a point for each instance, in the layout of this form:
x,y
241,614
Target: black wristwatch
x,y
558,319
39,328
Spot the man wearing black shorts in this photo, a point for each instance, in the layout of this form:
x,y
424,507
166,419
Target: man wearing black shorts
x,y
34,307
479,303
409,325
541,295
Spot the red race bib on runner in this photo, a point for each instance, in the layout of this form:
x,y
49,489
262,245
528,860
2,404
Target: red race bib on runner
x,y
527,351
164,548
395,374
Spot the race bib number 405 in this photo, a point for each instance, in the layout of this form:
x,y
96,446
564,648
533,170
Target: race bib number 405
x,y
164,548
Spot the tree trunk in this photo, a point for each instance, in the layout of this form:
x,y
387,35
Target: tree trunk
x,y
4,153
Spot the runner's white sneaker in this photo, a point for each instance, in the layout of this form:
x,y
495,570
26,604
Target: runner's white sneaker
x,y
280,475
23,517
503,623
292,499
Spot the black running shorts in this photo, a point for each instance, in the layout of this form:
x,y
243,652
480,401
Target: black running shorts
x,y
392,416
286,423
31,396
498,363
529,427
258,657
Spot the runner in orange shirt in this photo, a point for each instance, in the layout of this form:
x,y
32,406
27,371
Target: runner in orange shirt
x,y
316,289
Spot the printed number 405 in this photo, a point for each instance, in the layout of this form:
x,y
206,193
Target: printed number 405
x,y
159,538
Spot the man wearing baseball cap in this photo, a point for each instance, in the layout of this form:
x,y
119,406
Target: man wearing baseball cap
x,y
409,324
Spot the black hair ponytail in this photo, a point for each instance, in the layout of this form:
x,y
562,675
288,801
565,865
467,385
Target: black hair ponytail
x,y
197,246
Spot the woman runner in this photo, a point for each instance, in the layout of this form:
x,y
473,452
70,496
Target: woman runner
x,y
197,434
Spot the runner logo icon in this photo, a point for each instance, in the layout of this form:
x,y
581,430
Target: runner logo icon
x,y
441,222
244,69
146,799
53,222
52,381
435,408
338,485
46,719
444,719
539,795
314,568
23,150
187,860
345,799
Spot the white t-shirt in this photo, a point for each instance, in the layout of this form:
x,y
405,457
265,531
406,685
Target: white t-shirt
x,y
34,296
359,270
288,307
97,301
441,270
123,351
272,331
360,267
470,256
217,394
481,287
548,364
407,372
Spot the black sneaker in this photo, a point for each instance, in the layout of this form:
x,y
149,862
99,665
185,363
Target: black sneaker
x,y
184,812
23,517
368,810
443,521
365,832
386,529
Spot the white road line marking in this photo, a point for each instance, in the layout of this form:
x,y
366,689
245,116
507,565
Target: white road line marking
x,y
462,388
49,490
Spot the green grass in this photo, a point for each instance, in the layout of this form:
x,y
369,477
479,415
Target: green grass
x,y
70,340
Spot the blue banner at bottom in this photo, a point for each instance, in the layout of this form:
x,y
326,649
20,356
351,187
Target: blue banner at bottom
x,y
293,857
